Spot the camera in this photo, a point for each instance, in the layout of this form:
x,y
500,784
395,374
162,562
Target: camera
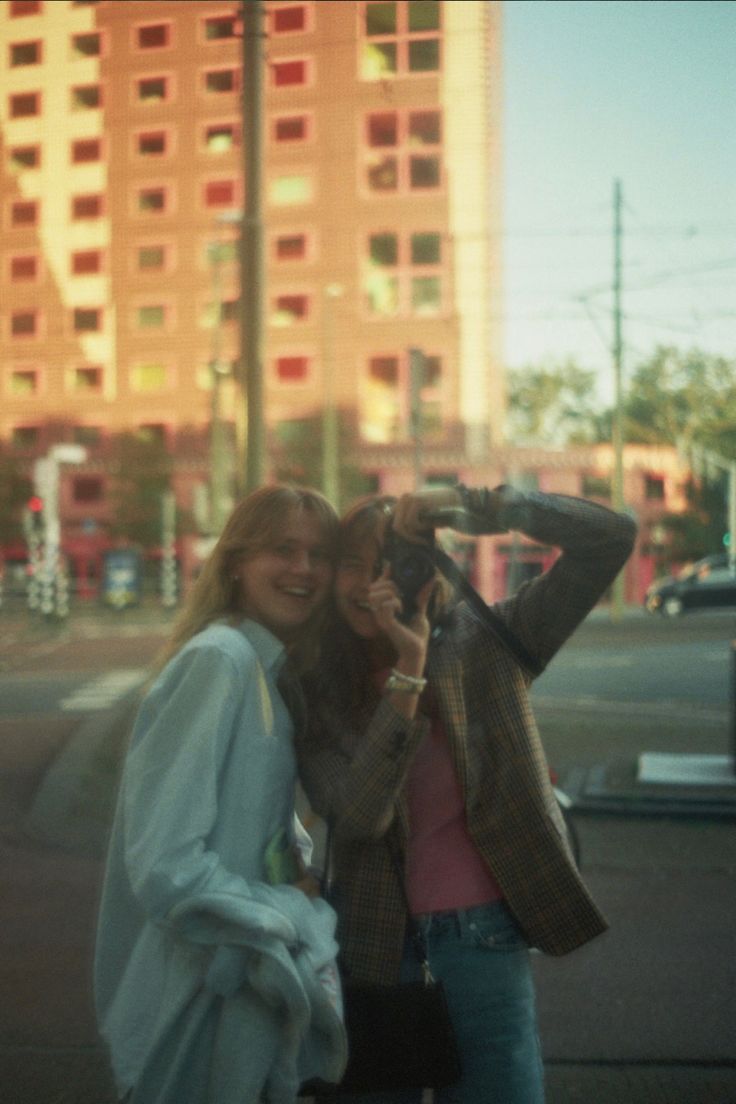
x,y
412,566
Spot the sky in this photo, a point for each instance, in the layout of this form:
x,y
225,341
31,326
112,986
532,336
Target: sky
x,y
640,91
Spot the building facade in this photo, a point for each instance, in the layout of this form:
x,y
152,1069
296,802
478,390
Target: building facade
x,y
122,182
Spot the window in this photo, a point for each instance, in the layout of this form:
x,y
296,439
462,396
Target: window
x,y
87,319
23,105
403,274
287,74
24,7
220,193
288,19
290,247
152,89
224,312
24,212
400,37
23,381
25,437
151,317
86,149
292,369
24,323
86,97
290,128
288,309
87,206
384,369
87,45
403,150
220,137
151,258
149,377
86,261
24,267
25,157
218,27
25,53
152,143
654,487
284,191
88,488
218,81
596,486
221,252
86,380
154,36
152,200
385,401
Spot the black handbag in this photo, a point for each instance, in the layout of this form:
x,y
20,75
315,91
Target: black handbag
x,y
399,1036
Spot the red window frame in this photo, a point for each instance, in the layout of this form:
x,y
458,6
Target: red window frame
x,y
84,262
24,105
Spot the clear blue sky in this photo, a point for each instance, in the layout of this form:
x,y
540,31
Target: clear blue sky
x,y
639,90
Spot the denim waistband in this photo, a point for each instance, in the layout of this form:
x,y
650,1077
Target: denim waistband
x,y
460,920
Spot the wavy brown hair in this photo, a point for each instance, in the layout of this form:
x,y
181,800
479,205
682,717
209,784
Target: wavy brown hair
x,y
255,524
341,682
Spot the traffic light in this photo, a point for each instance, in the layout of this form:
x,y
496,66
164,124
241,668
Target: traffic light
x,y
726,540
33,516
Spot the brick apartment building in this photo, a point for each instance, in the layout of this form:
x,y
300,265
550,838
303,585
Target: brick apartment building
x,y
121,154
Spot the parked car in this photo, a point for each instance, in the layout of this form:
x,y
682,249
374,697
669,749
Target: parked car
x,y
708,584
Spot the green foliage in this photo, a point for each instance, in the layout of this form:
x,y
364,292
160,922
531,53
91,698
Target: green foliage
x,y
553,406
675,397
699,532
15,489
142,473
297,453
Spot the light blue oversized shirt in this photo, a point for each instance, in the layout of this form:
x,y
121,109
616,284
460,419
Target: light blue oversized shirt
x,y
208,781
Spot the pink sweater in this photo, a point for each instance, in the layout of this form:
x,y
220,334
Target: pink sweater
x,y
443,868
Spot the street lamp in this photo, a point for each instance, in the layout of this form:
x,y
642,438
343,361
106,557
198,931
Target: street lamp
x,y
330,442
54,585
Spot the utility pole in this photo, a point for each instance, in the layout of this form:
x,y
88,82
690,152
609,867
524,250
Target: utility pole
x,y
251,244
330,436
617,487
217,371
416,383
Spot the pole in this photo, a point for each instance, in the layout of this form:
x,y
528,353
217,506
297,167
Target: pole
x,y
416,383
617,488
217,459
330,442
251,244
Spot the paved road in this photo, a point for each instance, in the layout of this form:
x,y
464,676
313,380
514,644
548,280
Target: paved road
x,y
642,1015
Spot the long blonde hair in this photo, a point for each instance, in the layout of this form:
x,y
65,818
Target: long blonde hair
x,y
256,523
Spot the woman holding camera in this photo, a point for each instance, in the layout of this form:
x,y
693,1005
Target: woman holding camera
x,y
421,739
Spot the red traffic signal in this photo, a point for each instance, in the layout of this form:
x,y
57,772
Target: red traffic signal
x,y
35,504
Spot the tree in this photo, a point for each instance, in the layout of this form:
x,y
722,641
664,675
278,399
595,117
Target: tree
x,y
298,455
553,405
15,490
676,397
142,473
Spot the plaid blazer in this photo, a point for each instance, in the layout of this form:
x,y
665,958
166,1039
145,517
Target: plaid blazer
x,y
356,778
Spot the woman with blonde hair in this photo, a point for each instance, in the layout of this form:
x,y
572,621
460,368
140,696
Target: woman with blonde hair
x,y
214,970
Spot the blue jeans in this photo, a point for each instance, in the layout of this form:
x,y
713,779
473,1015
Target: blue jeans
x,y
481,957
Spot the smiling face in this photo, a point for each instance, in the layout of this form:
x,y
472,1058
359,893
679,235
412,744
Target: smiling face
x,y
357,567
283,584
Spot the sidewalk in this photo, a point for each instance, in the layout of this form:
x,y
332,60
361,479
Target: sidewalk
x,y
643,1015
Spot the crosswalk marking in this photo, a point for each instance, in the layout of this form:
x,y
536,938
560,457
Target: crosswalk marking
x,y
103,691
